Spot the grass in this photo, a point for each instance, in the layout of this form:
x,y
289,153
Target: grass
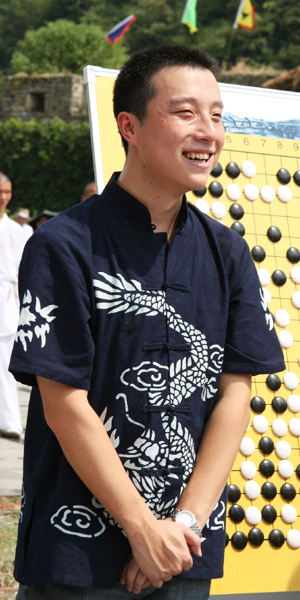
x,y
9,517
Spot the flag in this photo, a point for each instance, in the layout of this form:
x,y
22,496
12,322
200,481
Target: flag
x,y
117,32
189,16
245,15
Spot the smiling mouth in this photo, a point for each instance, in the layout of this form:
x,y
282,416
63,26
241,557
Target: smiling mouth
x,y
197,156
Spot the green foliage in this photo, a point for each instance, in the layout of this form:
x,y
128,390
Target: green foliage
x,y
65,46
16,17
48,163
275,40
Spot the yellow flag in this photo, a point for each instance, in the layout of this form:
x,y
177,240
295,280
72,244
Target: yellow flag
x,y
245,15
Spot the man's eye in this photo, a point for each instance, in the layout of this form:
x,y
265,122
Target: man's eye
x,y
184,111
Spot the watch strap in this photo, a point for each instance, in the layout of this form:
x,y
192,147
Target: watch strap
x,y
194,527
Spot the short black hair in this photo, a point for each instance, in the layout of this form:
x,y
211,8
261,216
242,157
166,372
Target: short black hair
x,y
134,86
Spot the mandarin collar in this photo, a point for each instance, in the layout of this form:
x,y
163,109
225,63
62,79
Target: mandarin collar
x,y
135,211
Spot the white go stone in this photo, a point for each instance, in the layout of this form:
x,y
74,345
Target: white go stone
x,y
252,490
249,168
284,193
296,299
233,191
293,538
294,426
260,424
285,339
282,317
267,193
251,191
202,205
264,276
283,449
218,209
253,515
247,446
294,402
295,274
285,469
290,380
267,295
288,513
279,427
248,469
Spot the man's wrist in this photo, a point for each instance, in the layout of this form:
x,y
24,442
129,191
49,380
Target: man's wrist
x,y
137,522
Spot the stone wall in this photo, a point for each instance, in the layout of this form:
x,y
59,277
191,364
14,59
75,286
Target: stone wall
x,y
42,97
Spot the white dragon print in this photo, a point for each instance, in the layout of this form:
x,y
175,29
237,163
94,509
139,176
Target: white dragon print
x,y
152,464
166,386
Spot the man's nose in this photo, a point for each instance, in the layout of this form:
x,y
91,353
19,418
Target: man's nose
x,y
205,129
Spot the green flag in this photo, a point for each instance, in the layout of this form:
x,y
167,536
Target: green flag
x,y
189,16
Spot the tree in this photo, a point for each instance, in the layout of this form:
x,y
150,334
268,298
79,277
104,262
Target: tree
x,y
65,46
16,17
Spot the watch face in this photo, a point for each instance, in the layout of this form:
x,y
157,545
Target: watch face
x,y
185,517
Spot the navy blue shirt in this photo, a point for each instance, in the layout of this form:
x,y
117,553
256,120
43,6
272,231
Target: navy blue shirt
x,y
107,306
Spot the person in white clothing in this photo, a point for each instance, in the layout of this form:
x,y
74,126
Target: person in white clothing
x,y
12,242
22,218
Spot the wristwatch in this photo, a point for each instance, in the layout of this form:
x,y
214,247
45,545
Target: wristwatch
x,y
187,518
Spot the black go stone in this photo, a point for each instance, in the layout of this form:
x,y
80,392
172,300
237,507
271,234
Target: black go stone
x,y
217,171
238,228
256,537
284,176
293,255
266,468
273,382
268,490
279,404
258,404
269,513
234,493
216,189
298,471
276,538
258,253
226,539
236,211
233,170
239,540
201,192
279,277
236,513
274,234
297,177
288,492
266,445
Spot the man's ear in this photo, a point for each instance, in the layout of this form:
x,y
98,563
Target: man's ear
x,y
127,124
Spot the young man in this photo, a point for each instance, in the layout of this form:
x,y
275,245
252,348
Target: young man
x,y
11,246
142,311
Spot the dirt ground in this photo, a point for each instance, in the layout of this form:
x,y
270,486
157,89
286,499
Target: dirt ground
x,y
9,517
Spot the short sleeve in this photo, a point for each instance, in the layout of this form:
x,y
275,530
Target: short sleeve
x,y
54,338
252,345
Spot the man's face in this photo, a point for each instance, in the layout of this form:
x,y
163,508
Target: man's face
x,y
181,137
5,196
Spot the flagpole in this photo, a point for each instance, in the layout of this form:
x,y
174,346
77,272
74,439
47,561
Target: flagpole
x,y
239,10
229,49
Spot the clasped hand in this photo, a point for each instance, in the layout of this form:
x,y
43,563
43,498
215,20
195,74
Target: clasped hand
x,y
159,554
